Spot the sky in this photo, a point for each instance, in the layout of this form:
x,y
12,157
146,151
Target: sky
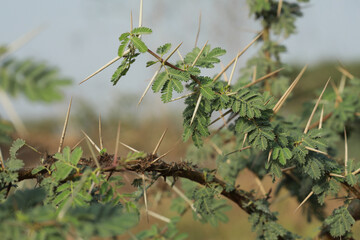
x,y
81,36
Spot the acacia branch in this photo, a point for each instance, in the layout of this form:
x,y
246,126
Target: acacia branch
x,y
186,170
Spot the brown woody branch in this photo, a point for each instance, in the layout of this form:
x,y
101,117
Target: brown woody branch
x,y
242,198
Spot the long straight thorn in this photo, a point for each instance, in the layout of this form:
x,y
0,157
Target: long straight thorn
x,y
198,32
346,152
196,108
178,98
145,197
117,145
77,144
104,67
131,22
262,78
321,117
232,72
172,53
159,142
279,8
315,107
149,85
91,141
141,13
65,126
288,91
302,203
128,147
199,54
163,155
254,75
237,56
100,134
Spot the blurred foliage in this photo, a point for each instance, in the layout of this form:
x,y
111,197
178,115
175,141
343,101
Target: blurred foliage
x,y
37,81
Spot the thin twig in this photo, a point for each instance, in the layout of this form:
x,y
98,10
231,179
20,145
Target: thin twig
x,y
65,126
315,107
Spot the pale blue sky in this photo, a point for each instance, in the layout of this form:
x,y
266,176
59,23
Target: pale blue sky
x,y
81,36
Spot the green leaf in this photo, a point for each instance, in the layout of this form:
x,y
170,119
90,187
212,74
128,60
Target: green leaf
x,y
179,75
122,47
37,169
13,165
178,87
196,137
159,82
340,222
207,92
66,163
150,63
167,91
351,179
16,145
139,44
141,30
124,36
163,49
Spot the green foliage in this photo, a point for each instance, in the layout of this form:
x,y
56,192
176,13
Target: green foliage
x,y
208,207
207,59
67,162
23,215
75,197
37,81
156,233
340,222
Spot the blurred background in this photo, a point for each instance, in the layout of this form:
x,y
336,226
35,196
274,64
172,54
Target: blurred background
x,y
78,37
